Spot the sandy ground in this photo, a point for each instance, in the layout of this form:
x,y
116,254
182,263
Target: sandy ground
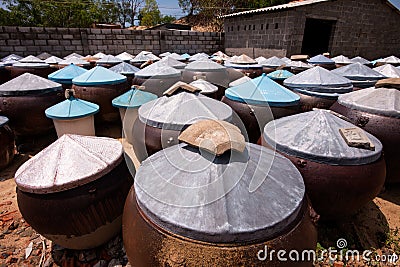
x,y
373,227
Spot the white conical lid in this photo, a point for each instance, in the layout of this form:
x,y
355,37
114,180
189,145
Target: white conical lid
x,y
125,56
242,59
99,55
53,60
28,83
171,62
388,70
205,86
158,70
31,59
109,59
69,162
273,62
390,60
73,55
74,60
342,60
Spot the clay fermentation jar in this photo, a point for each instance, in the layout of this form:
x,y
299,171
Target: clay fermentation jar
x,y
7,143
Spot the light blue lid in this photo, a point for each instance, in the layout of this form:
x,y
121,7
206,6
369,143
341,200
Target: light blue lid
x,y
125,68
262,91
134,98
320,59
71,108
65,75
98,76
280,75
185,56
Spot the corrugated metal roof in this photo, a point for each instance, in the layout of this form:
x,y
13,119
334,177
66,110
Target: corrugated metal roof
x,y
279,7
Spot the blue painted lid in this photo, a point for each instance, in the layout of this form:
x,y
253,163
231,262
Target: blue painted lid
x,y
262,91
124,68
72,108
280,75
65,75
98,76
186,56
320,59
3,121
134,98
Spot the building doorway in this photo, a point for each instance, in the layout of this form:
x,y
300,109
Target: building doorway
x,y
317,36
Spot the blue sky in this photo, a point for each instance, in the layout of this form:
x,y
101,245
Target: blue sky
x,y
170,7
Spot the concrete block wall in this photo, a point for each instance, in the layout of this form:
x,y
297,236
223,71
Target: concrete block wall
x,y
26,41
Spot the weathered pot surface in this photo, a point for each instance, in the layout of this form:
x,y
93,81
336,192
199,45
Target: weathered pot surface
x,y
7,143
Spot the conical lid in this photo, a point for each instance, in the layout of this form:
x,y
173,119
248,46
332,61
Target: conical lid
x,y
186,56
99,76
182,109
390,60
69,162
204,86
158,70
260,59
285,59
299,65
31,59
109,59
28,84
3,121
164,54
9,62
320,59
204,66
360,60
74,60
315,136
199,56
382,101
125,69
2,66
53,60
134,98
13,57
73,55
243,59
342,60
319,80
72,108
125,56
171,62
144,56
234,198
273,62
176,57
65,75
99,55
388,70
280,75
239,81
44,56
221,55
358,71
262,91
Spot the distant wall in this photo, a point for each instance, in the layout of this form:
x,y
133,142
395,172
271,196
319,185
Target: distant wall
x,y
26,41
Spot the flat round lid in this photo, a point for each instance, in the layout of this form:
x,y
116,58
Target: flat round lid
x,y
234,198
31,59
124,69
319,80
358,71
205,66
158,70
342,60
262,91
69,162
390,60
320,59
28,84
73,55
3,121
109,59
388,70
31,65
72,108
171,62
280,75
74,60
182,109
65,75
360,60
134,98
272,62
99,76
382,101
205,86
315,136
53,60
124,56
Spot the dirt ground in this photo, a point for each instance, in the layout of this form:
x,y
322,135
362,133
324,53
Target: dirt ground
x,y
376,227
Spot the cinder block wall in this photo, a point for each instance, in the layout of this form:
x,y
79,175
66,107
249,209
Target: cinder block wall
x,y
26,41
370,28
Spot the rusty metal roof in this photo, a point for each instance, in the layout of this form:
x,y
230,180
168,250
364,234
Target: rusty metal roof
x,y
278,7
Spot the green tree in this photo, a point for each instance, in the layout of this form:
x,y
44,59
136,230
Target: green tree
x,y
128,11
168,19
150,15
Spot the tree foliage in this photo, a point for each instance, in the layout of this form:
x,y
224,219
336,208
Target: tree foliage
x,y
150,15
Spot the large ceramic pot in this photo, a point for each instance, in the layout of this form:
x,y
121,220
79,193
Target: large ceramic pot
x,y
101,86
375,111
340,179
73,192
24,100
318,88
259,101
30,64
219,210
7,143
